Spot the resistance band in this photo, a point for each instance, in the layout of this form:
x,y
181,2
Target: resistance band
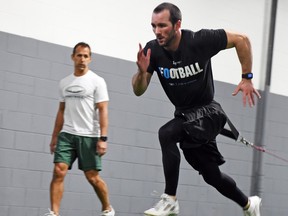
x,y
234,134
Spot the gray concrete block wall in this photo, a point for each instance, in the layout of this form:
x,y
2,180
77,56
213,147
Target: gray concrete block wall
x,y
29,74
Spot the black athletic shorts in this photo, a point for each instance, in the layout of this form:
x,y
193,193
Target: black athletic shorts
x,y
201,125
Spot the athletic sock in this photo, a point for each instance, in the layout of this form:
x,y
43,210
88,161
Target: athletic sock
x,y
247,206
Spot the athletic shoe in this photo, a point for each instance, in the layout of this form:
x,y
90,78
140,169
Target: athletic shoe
x,y
167,206
50,213
254,208
108,213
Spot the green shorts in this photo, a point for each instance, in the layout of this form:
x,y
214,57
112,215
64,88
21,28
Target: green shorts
x,y
69,147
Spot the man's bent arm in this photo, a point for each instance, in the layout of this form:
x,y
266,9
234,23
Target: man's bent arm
x,y
140,82
243,48
244,51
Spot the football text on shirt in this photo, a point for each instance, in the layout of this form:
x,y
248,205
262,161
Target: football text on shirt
x,y
180,72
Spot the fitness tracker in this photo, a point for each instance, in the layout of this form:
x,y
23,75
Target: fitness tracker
x,y
103,138
247,75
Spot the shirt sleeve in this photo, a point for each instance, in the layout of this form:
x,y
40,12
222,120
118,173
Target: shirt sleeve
x,y
211,41
101,92
150,45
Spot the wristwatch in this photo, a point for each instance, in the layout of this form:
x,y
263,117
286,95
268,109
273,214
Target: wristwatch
x,y
103,138
247,75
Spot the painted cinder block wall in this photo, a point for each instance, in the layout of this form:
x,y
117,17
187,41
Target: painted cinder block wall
x,y
29,74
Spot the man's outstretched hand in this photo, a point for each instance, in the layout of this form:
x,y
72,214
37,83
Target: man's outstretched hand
x,y
248,92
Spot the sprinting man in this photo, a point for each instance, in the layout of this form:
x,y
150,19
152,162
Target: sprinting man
x,y
80,130
182,61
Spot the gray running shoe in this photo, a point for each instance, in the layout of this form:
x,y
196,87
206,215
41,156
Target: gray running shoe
x,y
167,206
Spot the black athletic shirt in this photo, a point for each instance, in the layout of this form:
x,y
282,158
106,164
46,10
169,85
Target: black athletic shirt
x,y
186,74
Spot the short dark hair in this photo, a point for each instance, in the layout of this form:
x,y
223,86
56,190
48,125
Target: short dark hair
x,y
175,13
82,44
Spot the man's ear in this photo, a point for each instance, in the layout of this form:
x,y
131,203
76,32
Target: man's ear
x,y
178,25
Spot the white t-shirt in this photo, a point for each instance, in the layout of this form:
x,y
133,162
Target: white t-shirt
x,y
80,94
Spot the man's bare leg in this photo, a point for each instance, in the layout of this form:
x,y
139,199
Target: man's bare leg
x,y
100,188
57,186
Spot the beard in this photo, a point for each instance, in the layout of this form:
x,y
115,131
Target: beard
x,y
170,39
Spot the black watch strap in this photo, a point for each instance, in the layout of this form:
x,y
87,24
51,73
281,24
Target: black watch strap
x,y
103,138
247,75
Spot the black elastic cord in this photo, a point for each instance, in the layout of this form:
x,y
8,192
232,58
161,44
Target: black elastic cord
x,y
233,133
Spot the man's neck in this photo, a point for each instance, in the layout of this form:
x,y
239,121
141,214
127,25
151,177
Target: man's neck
x,y
80,72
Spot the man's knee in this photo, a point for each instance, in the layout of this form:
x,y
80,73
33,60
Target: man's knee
x,y
60,171
93,177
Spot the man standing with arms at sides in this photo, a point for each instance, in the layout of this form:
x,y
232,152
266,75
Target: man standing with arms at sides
x,y
80,130
182,61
